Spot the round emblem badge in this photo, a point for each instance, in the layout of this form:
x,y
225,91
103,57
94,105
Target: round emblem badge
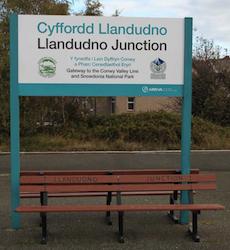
x,y
158,66
47,66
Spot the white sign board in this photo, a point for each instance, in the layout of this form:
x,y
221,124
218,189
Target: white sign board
x,y
109,50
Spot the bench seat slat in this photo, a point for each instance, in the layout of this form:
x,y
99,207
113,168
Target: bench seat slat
x,y
115,187
102,208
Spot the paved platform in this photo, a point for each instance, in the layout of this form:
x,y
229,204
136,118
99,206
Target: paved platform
x,y
217,160
142,230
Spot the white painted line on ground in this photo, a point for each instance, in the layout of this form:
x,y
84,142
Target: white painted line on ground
x,y
119,152
4,175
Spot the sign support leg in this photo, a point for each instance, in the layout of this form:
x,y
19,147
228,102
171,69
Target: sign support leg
x,y
14,122
186,114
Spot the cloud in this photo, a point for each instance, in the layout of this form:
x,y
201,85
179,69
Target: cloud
x,y
211,17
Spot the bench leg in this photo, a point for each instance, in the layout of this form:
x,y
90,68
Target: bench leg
x,y
121,224
41,203
108,202
44,200
171,214
120,220
44,229
194,231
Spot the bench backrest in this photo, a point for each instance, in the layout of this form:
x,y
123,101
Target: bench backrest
x,y
116,182
105,172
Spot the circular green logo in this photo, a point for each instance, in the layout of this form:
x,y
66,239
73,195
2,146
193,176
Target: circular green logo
x,y
47,66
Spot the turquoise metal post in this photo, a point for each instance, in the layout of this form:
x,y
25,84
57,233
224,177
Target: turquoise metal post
x,y
14,121
186,112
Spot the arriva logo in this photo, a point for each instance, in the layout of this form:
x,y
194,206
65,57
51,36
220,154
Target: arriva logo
x,y
145,89
47,67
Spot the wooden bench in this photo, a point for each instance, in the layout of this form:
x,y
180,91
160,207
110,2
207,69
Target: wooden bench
x,y
173,195
118,183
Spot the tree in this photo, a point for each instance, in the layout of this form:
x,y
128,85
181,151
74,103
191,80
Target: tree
x,y
117,12
211,86
205,49
20,7
93,8
52,109
211,82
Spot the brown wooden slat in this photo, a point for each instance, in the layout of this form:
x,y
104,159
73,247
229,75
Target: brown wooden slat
x,y
103,208
97,179
115,187
92,194
32,188
98,172
152,171
63,172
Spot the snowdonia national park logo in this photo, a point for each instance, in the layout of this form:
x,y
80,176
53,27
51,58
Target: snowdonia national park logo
x,y
47,67
158,67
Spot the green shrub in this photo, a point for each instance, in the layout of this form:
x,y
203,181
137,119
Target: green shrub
x,y
159,128
149,130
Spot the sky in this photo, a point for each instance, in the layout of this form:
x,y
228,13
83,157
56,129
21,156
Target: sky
x,y
211,17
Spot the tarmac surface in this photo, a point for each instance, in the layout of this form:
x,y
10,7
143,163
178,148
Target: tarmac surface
x,y
217,160
142,230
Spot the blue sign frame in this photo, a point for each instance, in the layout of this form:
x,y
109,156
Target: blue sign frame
x,y
17,90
